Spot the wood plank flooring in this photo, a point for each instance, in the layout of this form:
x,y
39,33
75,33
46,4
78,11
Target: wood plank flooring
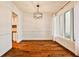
x,y
38,48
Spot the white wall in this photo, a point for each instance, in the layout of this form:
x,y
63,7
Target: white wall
x,y
76,27
61,39
5,29
39,29
6,9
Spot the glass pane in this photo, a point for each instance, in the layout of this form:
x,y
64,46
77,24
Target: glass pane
x,y
67,24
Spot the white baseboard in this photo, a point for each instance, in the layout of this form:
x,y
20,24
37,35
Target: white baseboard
x,y
18,41
38,39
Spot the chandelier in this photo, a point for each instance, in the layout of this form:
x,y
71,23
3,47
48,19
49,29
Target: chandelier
x,y
37,14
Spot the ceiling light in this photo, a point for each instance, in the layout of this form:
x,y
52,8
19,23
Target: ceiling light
x,y
37,14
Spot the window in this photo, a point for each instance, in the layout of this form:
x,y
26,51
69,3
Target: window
x,y
65,25
68,24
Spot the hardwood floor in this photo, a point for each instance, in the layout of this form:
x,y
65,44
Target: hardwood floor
x,y
38,48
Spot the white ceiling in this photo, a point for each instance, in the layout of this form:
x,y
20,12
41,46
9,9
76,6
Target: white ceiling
x,y
45,6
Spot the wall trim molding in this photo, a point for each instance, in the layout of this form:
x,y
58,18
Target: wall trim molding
x,y
38,39
18,41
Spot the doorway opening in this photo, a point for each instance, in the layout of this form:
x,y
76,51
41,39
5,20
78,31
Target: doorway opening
x,y
14,27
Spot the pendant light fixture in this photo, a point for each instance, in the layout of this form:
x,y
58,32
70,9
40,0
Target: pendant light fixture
x,y
38,14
